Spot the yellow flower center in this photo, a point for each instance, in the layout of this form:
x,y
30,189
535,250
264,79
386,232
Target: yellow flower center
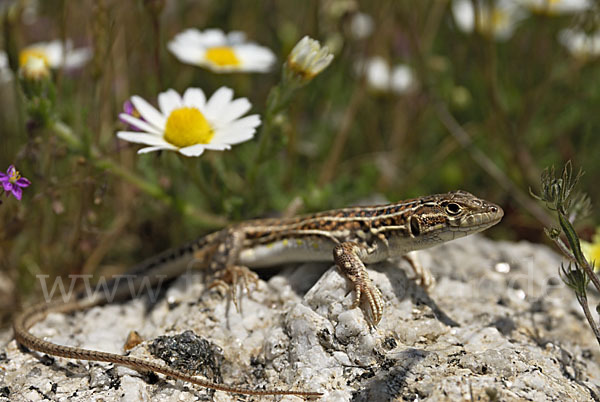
x,y
547,6
187,126
222,56
27,54
592,253
595,254
13,175
498,19
592,250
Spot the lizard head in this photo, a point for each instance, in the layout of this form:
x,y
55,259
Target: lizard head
x,y
444,217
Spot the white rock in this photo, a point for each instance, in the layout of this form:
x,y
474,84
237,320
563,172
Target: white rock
x,y
504,333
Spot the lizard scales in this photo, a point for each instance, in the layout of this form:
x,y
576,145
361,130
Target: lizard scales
x,y
350,237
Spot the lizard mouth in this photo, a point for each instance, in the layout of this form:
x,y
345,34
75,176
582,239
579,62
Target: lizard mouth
x,y
481,221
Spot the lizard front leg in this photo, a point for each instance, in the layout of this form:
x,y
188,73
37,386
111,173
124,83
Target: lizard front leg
x,y
423,276
349,256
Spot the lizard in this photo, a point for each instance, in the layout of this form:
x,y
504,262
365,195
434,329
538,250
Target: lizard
x,y
350,237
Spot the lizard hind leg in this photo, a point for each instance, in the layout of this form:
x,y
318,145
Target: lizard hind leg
x,y
235,280
227,275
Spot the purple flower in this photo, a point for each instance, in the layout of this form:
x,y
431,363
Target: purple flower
x,y
12,182
129,109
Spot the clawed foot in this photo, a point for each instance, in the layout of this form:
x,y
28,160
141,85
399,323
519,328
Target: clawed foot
x,y
347,257
234,280
365,289
423,276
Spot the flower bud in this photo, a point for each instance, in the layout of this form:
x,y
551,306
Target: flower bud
x,y
35,69
307,59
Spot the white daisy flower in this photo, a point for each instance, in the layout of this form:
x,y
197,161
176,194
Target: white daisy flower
x,y
377,73
190,124
556,6
402,79
55,54
497,19
362,25
5,73
580,44
382,77
221,53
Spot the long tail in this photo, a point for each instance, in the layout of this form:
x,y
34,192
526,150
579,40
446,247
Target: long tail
x,y
34,314
168,264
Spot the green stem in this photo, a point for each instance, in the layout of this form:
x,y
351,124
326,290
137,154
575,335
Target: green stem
x,y
278,99
66,134
575,246
583,302
144,185
195,169
231,180
572,238
74,143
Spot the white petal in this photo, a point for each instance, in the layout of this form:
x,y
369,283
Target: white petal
x,y
236,37
219,69
194,97
464,14
168,101
217,146
140,124
148,112
53,50
213,37
251,121
157,148
235,137
3,60
141,138
216,102
233,111
238,131
78,57
187,53
5,72
194,150
377,72
402,79
189,36
255,58
241,138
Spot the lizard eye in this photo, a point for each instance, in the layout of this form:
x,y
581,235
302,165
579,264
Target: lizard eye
x,y
453,209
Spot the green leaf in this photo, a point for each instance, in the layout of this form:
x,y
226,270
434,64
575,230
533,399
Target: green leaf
x,y
572,238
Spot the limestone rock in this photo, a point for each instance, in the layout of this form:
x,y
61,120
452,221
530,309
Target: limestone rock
x,y
499,324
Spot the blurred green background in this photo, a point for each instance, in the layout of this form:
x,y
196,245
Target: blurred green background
x,y
479,114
